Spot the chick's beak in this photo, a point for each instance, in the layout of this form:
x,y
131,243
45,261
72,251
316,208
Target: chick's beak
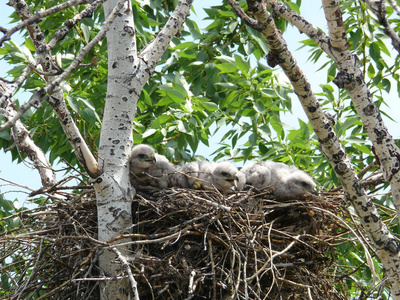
x,y
151,160
232,180
313,191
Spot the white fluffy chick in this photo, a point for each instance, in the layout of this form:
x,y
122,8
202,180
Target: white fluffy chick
x,y
149,168
207,175
141,159
257,174
288,181
241,182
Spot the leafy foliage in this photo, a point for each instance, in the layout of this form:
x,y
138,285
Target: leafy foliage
x,y
211,83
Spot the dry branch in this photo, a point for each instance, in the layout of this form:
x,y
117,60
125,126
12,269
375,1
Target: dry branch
x,y
185,247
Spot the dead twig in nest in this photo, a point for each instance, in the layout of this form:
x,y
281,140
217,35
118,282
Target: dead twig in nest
x,y
186,244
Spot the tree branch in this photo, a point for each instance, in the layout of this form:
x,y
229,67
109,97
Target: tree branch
x,y
351,78
16,84
26,145
395,6
379,8
36,18
388,249
129,271
245,18
56,98
156,48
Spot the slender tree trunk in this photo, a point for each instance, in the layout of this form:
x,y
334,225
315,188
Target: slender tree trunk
x,y
113,191
128,72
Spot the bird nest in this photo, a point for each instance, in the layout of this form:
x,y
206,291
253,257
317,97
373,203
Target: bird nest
x,y
186,244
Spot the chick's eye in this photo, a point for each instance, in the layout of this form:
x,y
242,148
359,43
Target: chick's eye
x,y
305,184
224,174
141,156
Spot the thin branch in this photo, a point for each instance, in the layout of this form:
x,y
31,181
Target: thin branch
x,y
36,18
25,144
69,24
129,271
7,94
245,18
395,6
379,8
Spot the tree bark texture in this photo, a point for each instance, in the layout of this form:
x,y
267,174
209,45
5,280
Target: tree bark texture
x,y
56,98
128,72
350,77
386,245
25,144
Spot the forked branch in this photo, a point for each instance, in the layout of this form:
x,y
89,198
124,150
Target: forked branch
x,y
387,247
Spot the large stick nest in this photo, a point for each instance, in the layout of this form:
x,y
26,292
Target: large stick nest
x,y
186,244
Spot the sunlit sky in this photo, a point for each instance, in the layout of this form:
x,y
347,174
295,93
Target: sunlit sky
x,y
311,10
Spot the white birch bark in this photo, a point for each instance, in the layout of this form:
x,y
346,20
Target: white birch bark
x,y
128,72
56,98
25,144
351,78
379,8
386,245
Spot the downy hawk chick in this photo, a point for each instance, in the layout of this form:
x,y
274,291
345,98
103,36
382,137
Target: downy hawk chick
x,y
207,175
150,168
288,181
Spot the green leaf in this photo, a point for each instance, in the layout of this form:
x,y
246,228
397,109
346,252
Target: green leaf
x,y
356,38
227,13
231,27
243,65
194,29
86,33
210,106
263,149
362,148
293,6
29,44
227,67
386,85
371,71
375,51
149,132
186,45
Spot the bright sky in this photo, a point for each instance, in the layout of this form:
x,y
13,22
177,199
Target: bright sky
x,y
311,10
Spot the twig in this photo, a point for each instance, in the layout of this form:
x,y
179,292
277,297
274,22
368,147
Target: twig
x,y
191,288
246,19
379,8
38,96
270,261
36,18
129,271
395,6
217,205
210,253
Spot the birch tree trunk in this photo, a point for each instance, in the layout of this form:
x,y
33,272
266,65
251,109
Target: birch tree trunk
x,y
128,72
113,191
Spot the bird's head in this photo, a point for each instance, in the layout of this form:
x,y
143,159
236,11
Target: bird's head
x,y
142,157
299,182
229,177
225,174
